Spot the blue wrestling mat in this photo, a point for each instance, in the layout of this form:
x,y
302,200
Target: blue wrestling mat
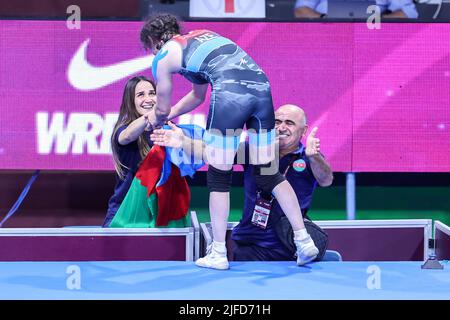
x,y
244,281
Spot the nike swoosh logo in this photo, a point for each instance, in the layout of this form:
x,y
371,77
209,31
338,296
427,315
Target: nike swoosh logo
x,y
83,76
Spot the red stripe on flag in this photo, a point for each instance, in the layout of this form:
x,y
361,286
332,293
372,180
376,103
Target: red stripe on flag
x,y
229,6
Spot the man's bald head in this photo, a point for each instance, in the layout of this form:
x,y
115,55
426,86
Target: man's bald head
x,y
290,123
292,111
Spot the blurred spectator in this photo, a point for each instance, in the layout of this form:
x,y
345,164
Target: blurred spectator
x,y
398,8
311,8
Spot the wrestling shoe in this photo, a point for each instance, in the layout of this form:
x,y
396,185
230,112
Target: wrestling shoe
x,y
214,259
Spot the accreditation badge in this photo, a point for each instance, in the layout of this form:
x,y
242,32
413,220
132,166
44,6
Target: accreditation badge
x,y
261,212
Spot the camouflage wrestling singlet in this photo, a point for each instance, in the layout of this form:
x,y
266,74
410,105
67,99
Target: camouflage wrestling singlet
x,y
240,89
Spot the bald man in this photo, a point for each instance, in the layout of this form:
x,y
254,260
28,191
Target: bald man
x,y
304,167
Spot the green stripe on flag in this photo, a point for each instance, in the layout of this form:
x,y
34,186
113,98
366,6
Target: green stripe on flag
x,y
139,211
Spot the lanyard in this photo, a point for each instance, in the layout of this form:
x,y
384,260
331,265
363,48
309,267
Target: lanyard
x,y
293,158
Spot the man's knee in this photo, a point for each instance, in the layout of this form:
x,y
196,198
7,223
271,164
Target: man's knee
x,y
247,252
266,182
219,180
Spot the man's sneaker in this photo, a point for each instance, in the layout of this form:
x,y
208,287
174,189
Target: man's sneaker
x,y
213,259
306,251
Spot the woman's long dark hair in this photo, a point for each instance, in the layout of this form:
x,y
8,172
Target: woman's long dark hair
x,y
159,27
128,114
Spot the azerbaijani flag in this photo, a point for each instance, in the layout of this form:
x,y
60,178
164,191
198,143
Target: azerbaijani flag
x,y
159,195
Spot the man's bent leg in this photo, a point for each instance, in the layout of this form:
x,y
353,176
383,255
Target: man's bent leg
x,y
252,252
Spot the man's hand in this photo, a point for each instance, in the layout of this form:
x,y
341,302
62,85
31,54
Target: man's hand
x,y
312,143
305,12
168,138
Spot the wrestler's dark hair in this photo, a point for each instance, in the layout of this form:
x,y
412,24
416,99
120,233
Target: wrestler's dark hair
x,y
159,27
